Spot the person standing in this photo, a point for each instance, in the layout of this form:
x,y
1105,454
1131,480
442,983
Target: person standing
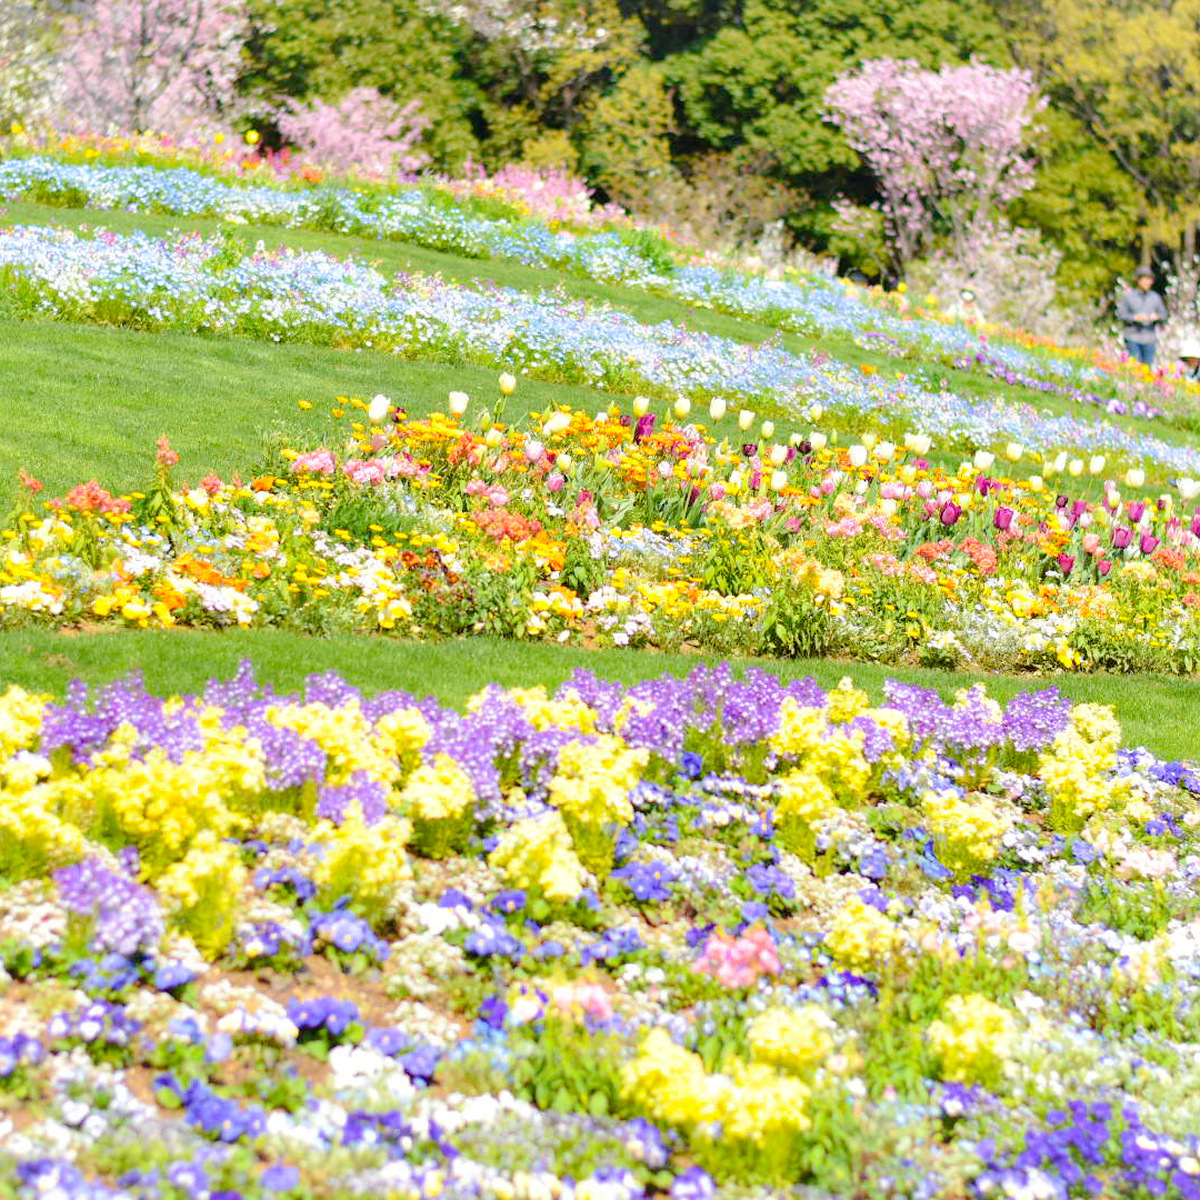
x,y
1142,311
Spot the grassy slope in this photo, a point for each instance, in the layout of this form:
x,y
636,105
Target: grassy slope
x,y
1154,712
392,257
83,402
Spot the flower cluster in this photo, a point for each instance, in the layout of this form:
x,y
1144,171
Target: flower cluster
x,y
291,963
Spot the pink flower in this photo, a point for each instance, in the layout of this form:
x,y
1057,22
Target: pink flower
x,y
555,481
316,462
163,454
588,998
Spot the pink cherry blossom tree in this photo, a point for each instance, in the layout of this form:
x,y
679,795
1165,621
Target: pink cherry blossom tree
x,y
364,133
948,147
133,66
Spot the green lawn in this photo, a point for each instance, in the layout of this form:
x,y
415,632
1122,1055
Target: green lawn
x,y
392,256
1156,712
82,402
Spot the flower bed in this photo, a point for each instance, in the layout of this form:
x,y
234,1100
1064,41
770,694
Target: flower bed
x,y
692,934
217,285
805,304
616,530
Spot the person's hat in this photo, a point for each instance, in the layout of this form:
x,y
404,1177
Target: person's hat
x,y
1144,273
1190,348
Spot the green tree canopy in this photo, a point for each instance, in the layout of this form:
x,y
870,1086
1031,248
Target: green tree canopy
x,y
760,81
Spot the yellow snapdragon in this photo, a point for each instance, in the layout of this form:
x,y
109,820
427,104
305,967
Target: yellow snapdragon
x,y
973,1039
794,1039
537,853
861,936
968,830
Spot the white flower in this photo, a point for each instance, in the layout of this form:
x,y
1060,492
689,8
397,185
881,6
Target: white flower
x,y
778,480
1135,477
534,450
818,441
778,456
1075,467
508,383
378,408
745,419
1189,489
1013,451
458,403
1096,464
918,443
641,406
983,459
858,456
717,408
884,451
683,406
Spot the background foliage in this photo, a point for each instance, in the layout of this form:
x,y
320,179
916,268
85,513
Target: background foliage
x,y
711,114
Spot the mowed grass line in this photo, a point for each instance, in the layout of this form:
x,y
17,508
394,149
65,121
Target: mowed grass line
x,y
1160,713
394,256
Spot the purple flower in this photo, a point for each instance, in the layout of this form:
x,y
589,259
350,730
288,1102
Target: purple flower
x,y
280,1178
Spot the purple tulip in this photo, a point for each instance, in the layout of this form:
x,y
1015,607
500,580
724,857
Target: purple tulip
x,y
750,449
950,513
1104,566
644,428
1062,501
1122,537
1148,543
1136,511
1065,563
1196,525
1002,518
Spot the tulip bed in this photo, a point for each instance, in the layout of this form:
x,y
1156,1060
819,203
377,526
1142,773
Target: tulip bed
x,y
687,938
623,530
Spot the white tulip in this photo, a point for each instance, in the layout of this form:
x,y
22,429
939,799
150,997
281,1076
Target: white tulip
x,y
778,456
918,443
459,402
1135,477
887,506
641,405
778,480
508,383
1013,451
860,488
1096,464
493,438
868,438
884,451
1060,461
745,419
556,424
717,408
1075,467
818,441
983,459
379,408
665,470
768,429
1036,483
1189,489
683,406
858,456
564,462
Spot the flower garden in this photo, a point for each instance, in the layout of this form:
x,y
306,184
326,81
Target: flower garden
x,y
723,931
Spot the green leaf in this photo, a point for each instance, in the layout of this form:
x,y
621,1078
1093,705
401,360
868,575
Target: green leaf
x,y
598,1105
